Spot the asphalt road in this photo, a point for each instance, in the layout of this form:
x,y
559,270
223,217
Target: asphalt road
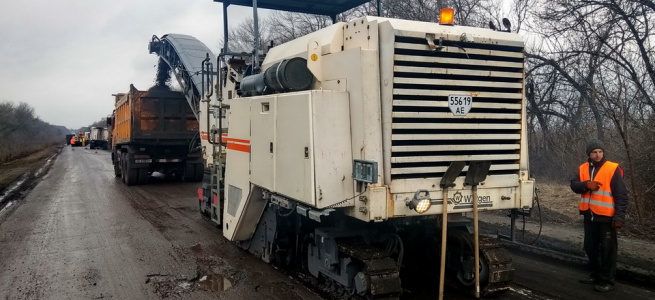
x,y
540,278
83,234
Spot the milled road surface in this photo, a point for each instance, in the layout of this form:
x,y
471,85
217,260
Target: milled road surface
x,y
83,234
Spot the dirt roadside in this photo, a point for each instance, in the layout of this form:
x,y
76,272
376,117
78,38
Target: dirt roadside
x,y
18,175
555,230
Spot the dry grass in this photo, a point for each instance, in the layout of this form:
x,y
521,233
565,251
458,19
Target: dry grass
x,y
560,205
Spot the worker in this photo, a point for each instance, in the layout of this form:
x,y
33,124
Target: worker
x,y
83,141
603,203
72,141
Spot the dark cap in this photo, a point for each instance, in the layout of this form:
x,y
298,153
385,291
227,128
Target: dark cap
x,y
595,144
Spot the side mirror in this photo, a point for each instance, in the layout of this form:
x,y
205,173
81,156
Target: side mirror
x,y
109,121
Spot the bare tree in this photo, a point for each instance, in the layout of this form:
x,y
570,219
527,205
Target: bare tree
x,y
22,133
286,26
241,38
592,75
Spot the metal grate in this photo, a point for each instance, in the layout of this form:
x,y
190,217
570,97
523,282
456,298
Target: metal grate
x,y
426,136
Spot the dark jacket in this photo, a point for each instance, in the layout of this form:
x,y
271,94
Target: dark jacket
x,y
619,192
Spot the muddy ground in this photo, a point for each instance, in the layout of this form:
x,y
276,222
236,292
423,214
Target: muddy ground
x,y
17,177
13,170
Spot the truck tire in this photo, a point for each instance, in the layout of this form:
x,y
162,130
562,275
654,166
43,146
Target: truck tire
x,y
123,168
143,176
130,175
117,170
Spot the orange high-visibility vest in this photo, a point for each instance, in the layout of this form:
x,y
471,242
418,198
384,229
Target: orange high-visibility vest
x,y
72,140
601,202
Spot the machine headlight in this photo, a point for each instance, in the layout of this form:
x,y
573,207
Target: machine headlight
x,y
421,201
423,206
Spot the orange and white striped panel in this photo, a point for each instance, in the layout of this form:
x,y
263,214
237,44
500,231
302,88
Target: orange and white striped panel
x,y
204,135
237,144
233,144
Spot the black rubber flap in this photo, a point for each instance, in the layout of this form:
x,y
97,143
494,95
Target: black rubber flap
x,y
448,179
477,172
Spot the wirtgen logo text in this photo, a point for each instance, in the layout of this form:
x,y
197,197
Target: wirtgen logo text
x,y
464,201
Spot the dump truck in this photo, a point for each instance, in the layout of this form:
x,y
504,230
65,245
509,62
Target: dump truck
x,y
98,138
153,131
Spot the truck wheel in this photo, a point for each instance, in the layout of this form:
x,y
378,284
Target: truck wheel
x,y
117,170
131,174
143,176
123,168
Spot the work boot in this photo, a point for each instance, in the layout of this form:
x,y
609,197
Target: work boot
x,y
588,280
603,287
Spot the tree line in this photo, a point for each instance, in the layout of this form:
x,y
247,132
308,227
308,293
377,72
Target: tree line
x,y
22,132
590,73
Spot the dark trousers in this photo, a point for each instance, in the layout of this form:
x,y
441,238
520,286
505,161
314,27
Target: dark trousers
x,y
601,246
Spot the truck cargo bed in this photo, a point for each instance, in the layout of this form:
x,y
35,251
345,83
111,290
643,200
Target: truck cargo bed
x,y
157,116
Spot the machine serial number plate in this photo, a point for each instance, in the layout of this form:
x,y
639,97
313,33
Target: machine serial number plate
x,y
460,104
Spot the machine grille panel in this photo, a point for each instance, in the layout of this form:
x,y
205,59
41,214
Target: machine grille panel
x,y
426,136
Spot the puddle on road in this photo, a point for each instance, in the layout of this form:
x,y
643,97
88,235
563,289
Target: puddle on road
x,y
214,283
211,281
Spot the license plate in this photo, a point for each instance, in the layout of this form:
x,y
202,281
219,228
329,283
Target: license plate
x,y
460,104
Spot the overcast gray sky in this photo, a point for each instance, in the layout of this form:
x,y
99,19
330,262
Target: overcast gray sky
x,y
66,57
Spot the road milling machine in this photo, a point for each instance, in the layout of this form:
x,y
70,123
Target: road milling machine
x,y
365,149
